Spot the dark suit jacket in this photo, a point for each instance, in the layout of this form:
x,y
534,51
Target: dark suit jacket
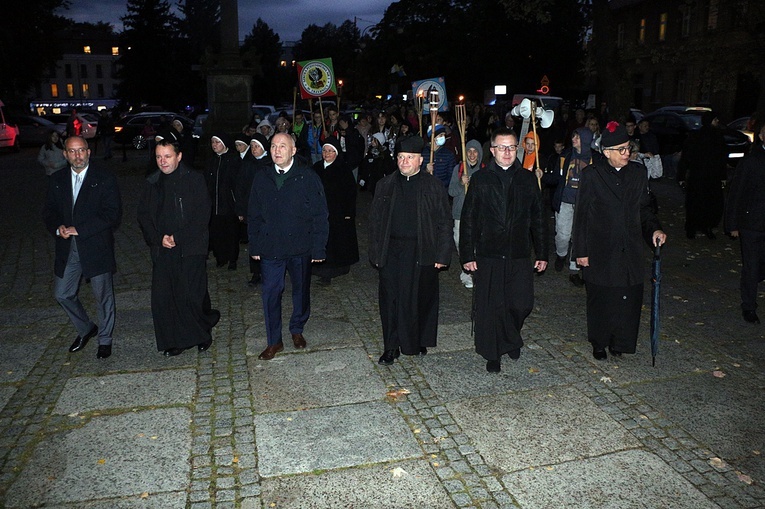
x,y
96,215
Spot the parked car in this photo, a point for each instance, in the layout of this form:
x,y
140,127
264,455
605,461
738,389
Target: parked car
x,y
35,130
672,128
127,130
9,133
199,124
261,111
742,124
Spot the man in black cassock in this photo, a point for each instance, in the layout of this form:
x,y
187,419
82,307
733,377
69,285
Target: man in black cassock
x,y
173,214
613,209
501,218
409,243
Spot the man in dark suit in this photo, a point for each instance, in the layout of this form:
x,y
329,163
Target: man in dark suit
x,y
82,210
288,229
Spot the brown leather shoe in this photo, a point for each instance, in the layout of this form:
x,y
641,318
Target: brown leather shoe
x,y
270,352
298,340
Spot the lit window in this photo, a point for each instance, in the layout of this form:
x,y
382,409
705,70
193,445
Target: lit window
x,y
115,51
85,91
53,90
69,90
283,63
663,26
86,49
641,35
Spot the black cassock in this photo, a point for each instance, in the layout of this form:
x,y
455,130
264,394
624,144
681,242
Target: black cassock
x,y
177,204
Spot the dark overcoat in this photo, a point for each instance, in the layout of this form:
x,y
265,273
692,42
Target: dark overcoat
x,y
340,190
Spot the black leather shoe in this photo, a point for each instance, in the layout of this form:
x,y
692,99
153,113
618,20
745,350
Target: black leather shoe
x,y
749,316
576,280
104,351
388,357
203,347
710,234
253,282
599,353
615,353
423,350
172,352
493,366
515,354
81,341
559,261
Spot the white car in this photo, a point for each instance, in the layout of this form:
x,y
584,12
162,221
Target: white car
x,y
9,134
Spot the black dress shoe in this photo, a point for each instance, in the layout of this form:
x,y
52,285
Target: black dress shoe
x,y
749,316
559,262
710,234
515,354
387,358
104,351
599,353
576,280
423,350
203,347
615,353
253,282
172,352
81,341
493,366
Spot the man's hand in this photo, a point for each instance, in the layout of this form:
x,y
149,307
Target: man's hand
x,y
429,168
540,265
255,257
317,261
659,238
465,179
168,241
440,265
470,267
71,230
62,232
734,234
583,262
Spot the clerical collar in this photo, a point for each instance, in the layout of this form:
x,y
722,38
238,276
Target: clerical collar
x,y
407,177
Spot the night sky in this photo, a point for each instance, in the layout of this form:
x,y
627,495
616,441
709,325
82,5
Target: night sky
x,y
287,18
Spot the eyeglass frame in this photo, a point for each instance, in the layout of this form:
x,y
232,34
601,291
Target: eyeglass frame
x,y
621,150
506,148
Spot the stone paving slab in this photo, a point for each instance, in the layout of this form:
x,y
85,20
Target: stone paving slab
x,y
373,487
622,480
726,413
110,456
135,350
539,427
130,390
18,359
5,394
454,337
175,500
320,333
32,315
134,300
336,437
314,379
463,374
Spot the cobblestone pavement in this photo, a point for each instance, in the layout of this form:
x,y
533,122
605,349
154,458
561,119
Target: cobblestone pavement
x,y
329,427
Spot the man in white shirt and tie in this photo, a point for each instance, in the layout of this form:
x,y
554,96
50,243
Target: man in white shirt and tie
x,y
82,210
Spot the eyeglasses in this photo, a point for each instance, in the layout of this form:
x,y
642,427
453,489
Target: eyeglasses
x,y
505,148
621,150
406,157
76,150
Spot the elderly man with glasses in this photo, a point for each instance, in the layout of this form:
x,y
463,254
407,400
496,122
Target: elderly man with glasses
x,y
613,209
501,219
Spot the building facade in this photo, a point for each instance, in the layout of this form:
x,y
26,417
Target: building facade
x,y
84,77
691,52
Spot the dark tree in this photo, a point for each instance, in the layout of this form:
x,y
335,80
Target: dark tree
x,y
198,44
149,66
261,51
26,52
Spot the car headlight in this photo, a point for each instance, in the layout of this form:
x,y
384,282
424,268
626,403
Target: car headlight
x,y
735,155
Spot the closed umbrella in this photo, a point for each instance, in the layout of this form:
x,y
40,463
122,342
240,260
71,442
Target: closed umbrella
x,y
655,304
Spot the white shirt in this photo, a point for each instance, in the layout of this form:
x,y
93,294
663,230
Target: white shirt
x,y
285,170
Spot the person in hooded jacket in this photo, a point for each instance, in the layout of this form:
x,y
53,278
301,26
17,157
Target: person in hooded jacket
x,y
266,129
340,190
565,178
221,176
376,164
457,189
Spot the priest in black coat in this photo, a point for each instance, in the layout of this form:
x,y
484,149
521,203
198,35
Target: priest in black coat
x,y
612,219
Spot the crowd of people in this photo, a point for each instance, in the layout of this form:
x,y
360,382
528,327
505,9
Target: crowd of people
x,y
289,191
